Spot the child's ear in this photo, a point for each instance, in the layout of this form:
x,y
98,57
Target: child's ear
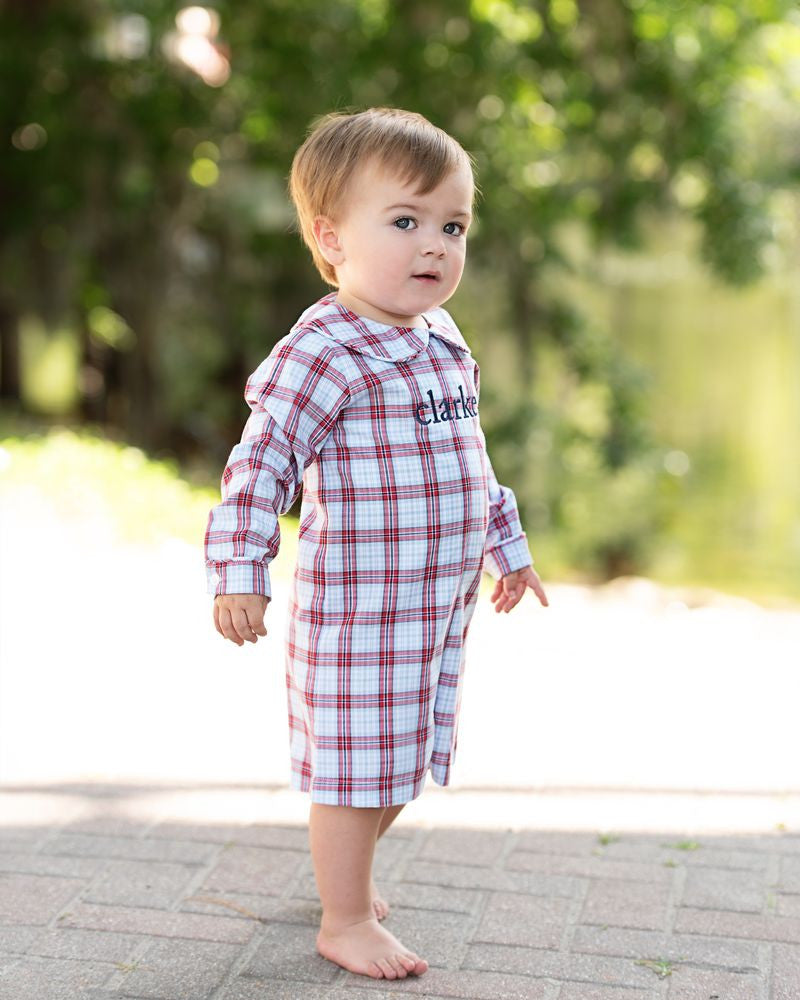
x,y
328,240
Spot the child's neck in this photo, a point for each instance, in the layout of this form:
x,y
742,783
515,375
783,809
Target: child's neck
x,y
361,308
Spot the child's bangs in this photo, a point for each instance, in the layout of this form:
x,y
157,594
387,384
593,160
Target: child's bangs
x,y
424,162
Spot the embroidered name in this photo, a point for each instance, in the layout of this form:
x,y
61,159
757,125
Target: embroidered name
x,y
469,406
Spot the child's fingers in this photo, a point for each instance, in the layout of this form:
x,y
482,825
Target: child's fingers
x,y
242,625
510,595
255,620
241,619
226,626
235,625
538,589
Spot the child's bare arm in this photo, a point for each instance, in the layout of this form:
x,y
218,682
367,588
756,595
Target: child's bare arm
x,y
240,617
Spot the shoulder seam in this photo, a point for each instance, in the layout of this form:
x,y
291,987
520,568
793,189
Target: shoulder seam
x,y
334,351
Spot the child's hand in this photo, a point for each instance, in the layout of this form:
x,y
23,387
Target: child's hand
x,y
240,617
509,589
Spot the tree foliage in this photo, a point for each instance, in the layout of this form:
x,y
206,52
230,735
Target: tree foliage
x,y
144,201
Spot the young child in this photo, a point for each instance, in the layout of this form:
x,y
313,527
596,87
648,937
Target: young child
x,y
371,402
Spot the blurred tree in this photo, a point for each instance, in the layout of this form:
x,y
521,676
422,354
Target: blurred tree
x,y
145,205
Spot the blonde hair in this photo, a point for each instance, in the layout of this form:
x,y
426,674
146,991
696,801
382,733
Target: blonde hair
x,y
402,142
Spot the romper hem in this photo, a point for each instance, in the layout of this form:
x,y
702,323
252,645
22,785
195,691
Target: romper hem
x,y
398,794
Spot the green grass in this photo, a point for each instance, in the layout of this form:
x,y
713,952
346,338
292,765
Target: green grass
x,y
83,474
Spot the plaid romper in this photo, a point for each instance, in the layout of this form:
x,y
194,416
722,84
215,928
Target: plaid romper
x,y
400,513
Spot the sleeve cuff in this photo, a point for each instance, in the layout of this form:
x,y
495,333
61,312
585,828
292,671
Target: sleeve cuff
x,y
243,577
508,556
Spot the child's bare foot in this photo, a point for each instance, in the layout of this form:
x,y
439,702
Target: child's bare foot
x,y
379,904
369,950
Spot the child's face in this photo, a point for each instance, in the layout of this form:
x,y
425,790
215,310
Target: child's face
x,y
388,235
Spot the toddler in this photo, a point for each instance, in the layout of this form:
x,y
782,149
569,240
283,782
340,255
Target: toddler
x,y
371,401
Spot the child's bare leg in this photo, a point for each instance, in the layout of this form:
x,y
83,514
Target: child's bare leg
x,y
379,904
390,814
342,840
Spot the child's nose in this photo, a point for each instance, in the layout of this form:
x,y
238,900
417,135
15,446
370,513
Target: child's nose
x,y
436,244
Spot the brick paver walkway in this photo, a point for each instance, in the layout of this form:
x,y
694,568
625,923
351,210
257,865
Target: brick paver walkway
x,y
105,904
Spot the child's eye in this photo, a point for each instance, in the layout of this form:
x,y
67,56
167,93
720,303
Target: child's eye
x,y
407,218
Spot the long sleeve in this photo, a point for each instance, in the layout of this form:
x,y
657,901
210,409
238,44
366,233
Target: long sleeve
x,y
295,396
506,543
506,546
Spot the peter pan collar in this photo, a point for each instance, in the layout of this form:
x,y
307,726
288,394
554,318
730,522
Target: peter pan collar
x,y
379,340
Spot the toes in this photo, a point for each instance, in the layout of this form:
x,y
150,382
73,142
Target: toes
x,y
387,967
378,973
397,961
420,964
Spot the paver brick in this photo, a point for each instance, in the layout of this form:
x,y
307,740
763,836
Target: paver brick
x,y
391,854
710,888
554,964
496,879
531,921
34,978
84,945
463,847
588,867
389,992
50,864
663,849
463,984
16,939
287,838
785,972
626,904
584,991
176,968
785,904
265,909
689,984
246,988
738,925
741,956
130,848
789,874
34,899
762,843
183,830
21,838
263,870
556,842
109,825
138,883
140,920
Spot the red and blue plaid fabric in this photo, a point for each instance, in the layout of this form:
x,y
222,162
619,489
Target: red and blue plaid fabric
x,y
400,513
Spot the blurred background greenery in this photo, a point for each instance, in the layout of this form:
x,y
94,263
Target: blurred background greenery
x,y
631,291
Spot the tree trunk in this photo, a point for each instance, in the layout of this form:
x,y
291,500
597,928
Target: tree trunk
x,y
10,375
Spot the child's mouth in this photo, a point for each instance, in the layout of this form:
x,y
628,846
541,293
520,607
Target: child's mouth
x,y
431,278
